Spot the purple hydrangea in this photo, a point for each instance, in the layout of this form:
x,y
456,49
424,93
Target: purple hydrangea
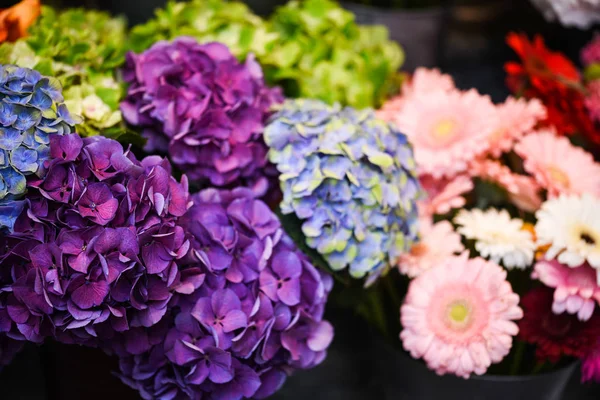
x,y
95,251
203,107
256,317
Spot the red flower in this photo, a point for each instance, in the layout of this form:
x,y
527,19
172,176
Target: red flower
x,y
555,80
555,335
539,64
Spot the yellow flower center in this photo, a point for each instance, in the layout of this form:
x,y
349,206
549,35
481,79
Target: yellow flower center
x,y
497,135
443,130
557,175
458,312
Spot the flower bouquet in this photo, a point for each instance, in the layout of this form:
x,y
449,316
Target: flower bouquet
x,y
506,275
462,230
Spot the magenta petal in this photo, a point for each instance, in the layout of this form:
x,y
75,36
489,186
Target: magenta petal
x,y
268,284
156,258
289,292
286,264
90,294
151,316
18,312
81,262
321,337
223,301
234,319
199,373
220,366
107,211
203,311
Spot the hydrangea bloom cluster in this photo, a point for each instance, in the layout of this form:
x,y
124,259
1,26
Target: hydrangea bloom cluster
x,y
321,52
350,178
257,315
202,106
31,111
82,49
95,252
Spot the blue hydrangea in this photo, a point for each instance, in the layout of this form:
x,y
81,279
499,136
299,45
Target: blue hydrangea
x,y
31,110
350,178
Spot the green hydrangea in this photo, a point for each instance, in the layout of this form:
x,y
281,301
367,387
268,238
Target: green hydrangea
x,y
83,49
228,22
322,53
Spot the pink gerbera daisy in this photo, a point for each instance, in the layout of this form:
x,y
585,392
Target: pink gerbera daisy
x,y
442,195
576,290
422,81
448,130
522,190
437,242
458,316
557,165
516,117
425,80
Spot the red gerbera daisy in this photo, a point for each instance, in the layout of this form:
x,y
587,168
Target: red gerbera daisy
x,y
555,335
555,80
539,64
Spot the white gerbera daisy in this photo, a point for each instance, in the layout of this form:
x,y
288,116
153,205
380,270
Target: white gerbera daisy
x,y
571,226
497,236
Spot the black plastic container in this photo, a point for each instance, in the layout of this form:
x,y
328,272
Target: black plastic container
x,y
404,378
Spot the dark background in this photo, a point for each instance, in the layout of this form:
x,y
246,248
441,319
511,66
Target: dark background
x,y
473,51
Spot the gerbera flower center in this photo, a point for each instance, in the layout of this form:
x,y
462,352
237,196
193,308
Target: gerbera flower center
x,y
557,175
587,238
444,130
458,312
497,135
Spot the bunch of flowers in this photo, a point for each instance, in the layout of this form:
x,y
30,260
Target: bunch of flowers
x,y
256,316
555,80
199,104
82,49
501,165
321,53
578,13
31,112
94,253
350,178
229,22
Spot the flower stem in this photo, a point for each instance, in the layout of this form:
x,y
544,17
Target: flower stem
x,y
392,291
376,310
517,358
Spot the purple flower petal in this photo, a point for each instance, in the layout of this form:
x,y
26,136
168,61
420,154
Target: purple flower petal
x,y
90,294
